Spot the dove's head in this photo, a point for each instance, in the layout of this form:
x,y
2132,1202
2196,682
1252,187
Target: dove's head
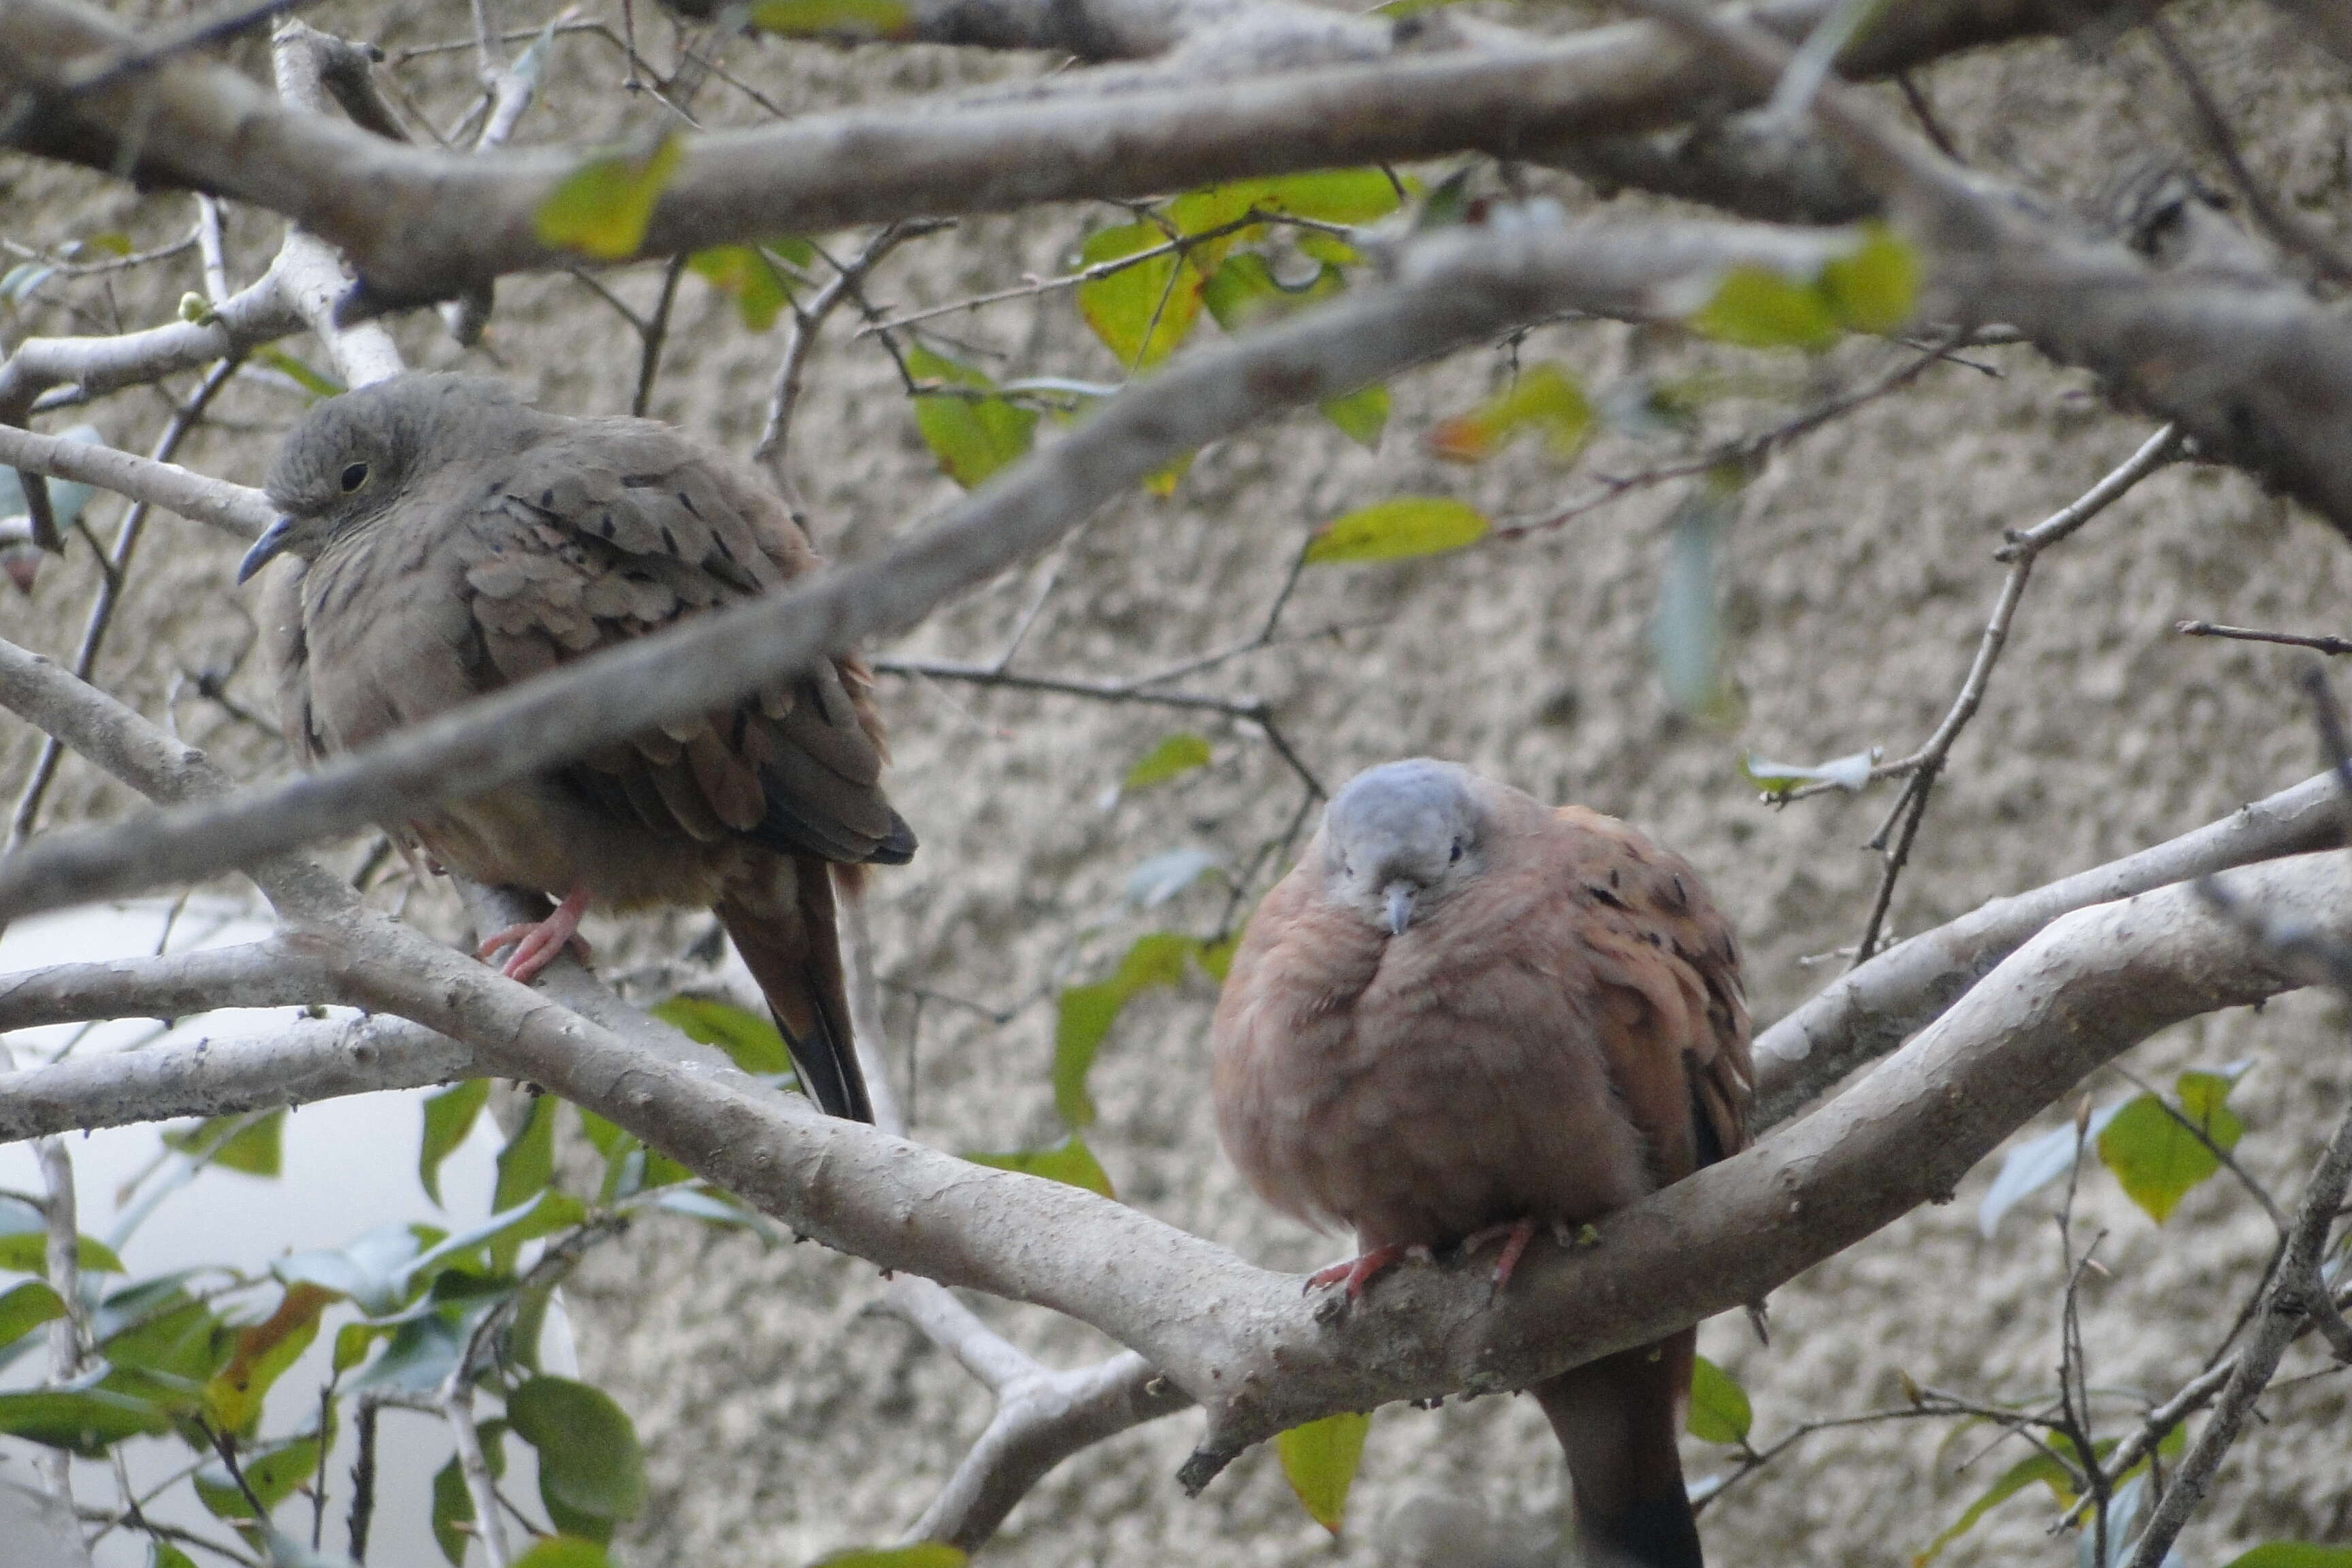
x,y
350,459
1398,838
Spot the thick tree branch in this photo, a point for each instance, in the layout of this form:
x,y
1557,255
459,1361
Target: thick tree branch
x,y
158,766
232,509
275,972
310,1060
421,224
1243,1342
1874,1009
2246,362
1451,289
252,316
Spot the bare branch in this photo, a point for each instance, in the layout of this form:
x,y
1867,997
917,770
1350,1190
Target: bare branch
x,y
156,765
1870,1010
310,1060
420,224
275,972
232,509
2330,646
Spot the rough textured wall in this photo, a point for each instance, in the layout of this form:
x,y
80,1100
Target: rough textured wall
x,y
785,1418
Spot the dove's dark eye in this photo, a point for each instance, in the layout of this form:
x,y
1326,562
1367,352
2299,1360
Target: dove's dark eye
x,y
1458,853
354,476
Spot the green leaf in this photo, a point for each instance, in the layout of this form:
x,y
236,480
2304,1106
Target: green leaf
x,y
1086,1013
1173,757
449,1118
27,1307
1874,289
83,1421
183,1345
86,1421
28,1252
589,1462
2293,1554
749,277
602,208
453,1506
253,1145
971,437
751,1041
528,1162
261,1354
867,19
352,1342
1545,397
1719,1412
317,383
1396,530
272,1473
1759,308
1351,196
1319,1461
163,1555
2037,1467
921,1554
1141,312
2157,1159
1361,416
1070,1161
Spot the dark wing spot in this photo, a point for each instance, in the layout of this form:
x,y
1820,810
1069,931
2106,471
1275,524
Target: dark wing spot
x,y
686,501
605,525
1604,895
669,540
720,541
1613,876
547,496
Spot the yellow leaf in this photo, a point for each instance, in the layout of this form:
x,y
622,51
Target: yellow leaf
x,y
1319,1461
1394,530
602,208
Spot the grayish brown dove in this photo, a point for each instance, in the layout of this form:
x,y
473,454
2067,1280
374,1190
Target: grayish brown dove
x,y
459,540
1464,1014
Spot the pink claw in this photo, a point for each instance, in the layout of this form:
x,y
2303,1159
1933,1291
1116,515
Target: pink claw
x,y
1516,1236
537,943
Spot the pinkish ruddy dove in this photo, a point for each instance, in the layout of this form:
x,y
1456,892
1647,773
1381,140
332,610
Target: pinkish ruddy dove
x,y
1464,1014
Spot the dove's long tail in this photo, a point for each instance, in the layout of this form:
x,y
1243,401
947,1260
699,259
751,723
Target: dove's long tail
x,y
1616,1418
785,931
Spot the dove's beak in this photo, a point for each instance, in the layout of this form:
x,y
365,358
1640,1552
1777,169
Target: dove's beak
x,y
1400,896
264,549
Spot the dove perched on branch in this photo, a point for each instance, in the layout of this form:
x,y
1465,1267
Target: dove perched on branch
x,y
1465,1016
456,540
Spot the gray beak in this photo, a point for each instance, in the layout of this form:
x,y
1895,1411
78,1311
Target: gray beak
x,y
264,549
1400,896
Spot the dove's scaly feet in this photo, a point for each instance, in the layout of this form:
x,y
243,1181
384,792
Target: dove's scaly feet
x,y
537,943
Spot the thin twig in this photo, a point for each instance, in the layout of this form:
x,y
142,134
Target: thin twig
x,y
113,564
2331,646
808,320
653,333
